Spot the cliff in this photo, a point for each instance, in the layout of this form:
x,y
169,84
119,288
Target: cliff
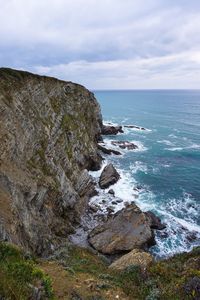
x,y
49,131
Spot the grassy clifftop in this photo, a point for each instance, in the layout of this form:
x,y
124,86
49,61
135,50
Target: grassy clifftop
x,y
76,273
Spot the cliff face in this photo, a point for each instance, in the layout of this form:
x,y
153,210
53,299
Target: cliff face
x,y
49,131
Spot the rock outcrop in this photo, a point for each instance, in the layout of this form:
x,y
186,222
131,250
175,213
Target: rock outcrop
x,y
126,230
134,127
108,176
154,221
49,131
108,151
134,258
124,145
111,130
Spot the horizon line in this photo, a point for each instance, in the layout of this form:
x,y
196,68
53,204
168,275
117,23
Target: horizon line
x,y
150,89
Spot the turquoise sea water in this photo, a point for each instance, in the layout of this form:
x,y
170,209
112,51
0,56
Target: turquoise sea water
x,y
166,166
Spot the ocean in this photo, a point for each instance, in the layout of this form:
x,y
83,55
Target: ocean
x,y
163,174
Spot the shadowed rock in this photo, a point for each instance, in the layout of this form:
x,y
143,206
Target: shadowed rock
x,y
108,151
124,145
108,176
126,230
111,130
155,222
192,288
134,126
111,192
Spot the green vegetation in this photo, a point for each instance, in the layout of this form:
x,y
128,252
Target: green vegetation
x,y
19,276
81,273
38,160
55,104
163,280
68,122
9,74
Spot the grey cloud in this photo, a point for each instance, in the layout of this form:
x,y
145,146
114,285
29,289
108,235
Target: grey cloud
x,y
90,40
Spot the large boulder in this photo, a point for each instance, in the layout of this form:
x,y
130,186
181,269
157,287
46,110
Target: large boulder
x,y
126,230
135,257
111,130
108,176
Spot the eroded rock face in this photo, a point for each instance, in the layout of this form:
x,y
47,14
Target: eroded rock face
x,y
108,176
126,230
134,258
49,131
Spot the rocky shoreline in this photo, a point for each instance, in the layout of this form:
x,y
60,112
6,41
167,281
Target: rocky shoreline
x,y
123,237
51,144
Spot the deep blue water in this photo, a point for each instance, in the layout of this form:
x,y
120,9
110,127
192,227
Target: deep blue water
x,y
167,164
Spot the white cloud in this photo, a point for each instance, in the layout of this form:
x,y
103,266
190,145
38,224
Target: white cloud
x,y
180,70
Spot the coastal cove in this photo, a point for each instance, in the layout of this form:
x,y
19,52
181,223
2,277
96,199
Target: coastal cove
x,y
162,174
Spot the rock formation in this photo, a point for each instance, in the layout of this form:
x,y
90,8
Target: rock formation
x,y
49,131
154,221
108,176
108,151
124,145
111,130
126,230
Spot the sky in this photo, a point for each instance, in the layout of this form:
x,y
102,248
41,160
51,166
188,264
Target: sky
x,y
104,44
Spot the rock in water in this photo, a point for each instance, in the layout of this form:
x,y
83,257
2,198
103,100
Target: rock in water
x,y
126,230
108,151
155,222
49,131
111,130
135,257
124,145
108,176
111,192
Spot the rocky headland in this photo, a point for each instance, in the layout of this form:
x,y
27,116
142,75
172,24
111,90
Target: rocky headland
x,y
51,137
49,132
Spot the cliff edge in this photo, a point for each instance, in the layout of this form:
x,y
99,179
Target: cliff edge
x,y
49,131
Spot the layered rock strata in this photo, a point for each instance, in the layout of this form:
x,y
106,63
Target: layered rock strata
x,y
49,131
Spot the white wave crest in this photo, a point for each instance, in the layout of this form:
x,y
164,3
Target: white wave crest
x,y
166,142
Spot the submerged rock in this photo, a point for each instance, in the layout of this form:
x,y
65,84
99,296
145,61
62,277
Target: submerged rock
x,y
124,145
155,222
124,231
135,257
111,130
108,176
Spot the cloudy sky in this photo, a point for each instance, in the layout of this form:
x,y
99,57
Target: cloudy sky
x,y
104,44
